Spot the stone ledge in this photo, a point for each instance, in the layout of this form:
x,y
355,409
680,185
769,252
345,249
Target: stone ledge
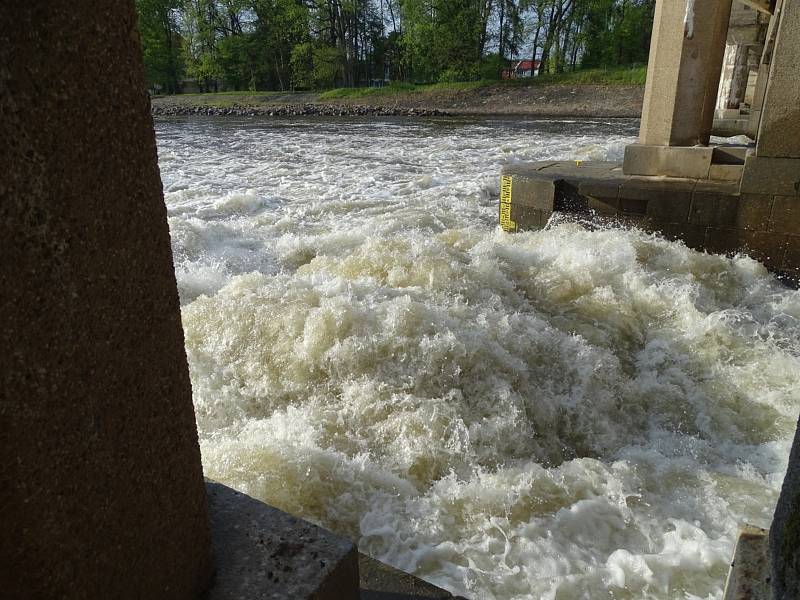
x,y
671,161
379,581
261,552
749,576
705,214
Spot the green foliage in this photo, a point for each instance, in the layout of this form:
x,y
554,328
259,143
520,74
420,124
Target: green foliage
x,y
328,66
302,66
612,76
390,90
161,43
617,32
305,44
240,61
617,76
491,67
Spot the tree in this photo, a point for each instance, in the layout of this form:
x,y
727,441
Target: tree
x,y
283,44
161,43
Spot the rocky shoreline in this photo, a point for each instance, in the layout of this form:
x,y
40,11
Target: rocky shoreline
x,y
297,110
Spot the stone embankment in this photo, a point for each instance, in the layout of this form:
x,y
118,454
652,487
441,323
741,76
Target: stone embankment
x,y
297,110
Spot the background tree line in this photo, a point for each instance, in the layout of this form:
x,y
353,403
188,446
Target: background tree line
x,y
303,44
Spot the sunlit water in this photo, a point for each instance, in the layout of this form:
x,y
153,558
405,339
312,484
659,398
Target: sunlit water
x,y
569,413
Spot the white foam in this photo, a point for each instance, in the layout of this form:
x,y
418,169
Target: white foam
x,y
557,414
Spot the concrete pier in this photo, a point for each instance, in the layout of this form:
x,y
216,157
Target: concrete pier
x,y
723,199
101,484
711,215
684,69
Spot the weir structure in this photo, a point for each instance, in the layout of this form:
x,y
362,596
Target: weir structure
x,y
101,486
715,66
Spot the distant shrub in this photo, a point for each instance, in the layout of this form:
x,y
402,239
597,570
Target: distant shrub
x,y
456,74
491,67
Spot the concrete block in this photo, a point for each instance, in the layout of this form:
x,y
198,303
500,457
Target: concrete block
x,y
262,552
791,258
691,162
725,172
730,155
666,200
604,207
713,209
723,241
527,168
669,207
726,188
533,192
102,485
732,127
694,236
638,221
580,169
526,218
785,215
749,576
642,187
768,248
382,582
754,211
606,189
764,175
633,206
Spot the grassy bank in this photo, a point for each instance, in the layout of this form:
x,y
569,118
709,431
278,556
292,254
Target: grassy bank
x,y
595,93
634,76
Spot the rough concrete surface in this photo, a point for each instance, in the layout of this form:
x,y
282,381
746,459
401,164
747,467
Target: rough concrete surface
x,y
748,578
784,533
379,581
779,133
684,68
262,552
705,214
101,488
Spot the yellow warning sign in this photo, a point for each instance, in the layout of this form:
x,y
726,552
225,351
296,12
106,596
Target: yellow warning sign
x,y
505,204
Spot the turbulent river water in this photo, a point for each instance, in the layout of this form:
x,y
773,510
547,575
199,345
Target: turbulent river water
x,y
579,412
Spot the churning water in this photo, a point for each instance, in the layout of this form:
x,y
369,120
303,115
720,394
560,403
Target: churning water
x,y
569,413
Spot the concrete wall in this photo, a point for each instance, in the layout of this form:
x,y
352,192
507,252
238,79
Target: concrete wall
x,y
101,488
779,132
707,215
784,534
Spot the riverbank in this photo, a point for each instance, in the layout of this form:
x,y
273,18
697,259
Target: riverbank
x,y
496,99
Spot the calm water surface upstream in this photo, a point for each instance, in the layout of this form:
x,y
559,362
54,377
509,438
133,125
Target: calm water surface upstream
x,y
568,413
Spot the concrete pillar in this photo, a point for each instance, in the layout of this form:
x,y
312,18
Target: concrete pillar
x,y
739,72
683,73
779,128
764,66
101,485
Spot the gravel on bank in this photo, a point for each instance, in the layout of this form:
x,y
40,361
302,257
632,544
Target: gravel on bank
x,y
296,110
498,100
